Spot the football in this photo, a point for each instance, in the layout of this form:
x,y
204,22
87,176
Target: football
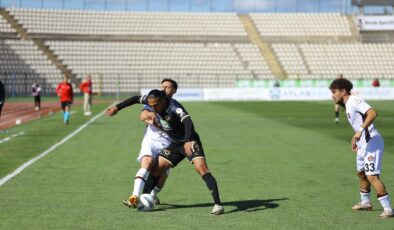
x,y
146,203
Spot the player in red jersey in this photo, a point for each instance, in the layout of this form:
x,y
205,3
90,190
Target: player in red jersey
x,y
65,92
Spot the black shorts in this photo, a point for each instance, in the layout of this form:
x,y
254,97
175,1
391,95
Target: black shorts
x,y
37,98
175,153
64,104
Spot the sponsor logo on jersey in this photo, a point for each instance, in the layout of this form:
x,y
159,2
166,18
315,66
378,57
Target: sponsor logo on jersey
x,y
166,152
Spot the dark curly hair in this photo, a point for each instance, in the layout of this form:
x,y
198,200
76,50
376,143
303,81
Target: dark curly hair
x,y
342,83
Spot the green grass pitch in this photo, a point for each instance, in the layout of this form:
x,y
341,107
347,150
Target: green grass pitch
x,y
279,165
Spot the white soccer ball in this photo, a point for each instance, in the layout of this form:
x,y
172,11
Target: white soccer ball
x,y
146,203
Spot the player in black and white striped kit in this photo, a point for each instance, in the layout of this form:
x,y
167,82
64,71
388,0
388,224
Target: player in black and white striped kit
x,y
368,144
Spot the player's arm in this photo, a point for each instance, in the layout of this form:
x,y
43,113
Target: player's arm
x,y
113,110
370,117
72,93
147,116
188,123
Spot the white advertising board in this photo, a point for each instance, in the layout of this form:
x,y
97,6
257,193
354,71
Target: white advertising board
x,y
375,23
274,94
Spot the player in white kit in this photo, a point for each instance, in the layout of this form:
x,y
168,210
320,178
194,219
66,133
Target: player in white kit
x,y
153,142
367,142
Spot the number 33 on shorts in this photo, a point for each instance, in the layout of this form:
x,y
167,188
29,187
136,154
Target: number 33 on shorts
x,y
369,167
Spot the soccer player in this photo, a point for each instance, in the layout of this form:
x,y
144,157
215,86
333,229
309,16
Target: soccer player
x,y
367,142
36,93
65,92
86,88
154,140
176,121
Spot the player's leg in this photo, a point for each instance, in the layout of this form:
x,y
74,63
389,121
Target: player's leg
x,y
336,109
365,193
89,108
365,187
169,157
39,102
160,185
373,165
161,166
200,164
140,179
147,159
67,109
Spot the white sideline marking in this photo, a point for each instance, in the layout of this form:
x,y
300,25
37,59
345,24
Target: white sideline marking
x,y
12,136
53,147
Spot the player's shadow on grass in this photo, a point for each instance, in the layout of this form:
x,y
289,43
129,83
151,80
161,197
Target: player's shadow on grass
x,y
240,206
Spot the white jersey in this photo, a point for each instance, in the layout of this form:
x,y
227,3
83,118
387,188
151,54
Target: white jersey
x,y
154,141
356,111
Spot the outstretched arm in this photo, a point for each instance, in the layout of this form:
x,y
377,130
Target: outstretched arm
x,y
113,110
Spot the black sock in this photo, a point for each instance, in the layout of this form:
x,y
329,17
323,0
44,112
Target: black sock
x,y
150,183
210,181
336,114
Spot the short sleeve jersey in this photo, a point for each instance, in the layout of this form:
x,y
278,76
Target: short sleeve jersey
x,y
65,91
356,110
171,121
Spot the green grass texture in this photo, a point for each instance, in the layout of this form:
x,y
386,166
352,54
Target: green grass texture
x,y
279,165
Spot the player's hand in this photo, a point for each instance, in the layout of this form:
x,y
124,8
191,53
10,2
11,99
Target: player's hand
x,y
354,146
111,111
188,148
356,138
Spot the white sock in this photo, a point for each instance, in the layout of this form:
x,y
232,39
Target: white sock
x,y
155,191
365,197
385,202
139,181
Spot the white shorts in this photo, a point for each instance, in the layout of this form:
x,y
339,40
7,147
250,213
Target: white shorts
x,y
152,146
369,158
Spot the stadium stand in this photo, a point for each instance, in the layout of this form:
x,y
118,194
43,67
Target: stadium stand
x,y
51,21
5,27
301,24
155,60
126,51
354,60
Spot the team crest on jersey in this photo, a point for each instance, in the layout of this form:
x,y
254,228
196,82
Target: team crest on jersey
x,y
370,158
179,111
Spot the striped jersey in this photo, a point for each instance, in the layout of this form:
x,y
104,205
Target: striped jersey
x,y
356,112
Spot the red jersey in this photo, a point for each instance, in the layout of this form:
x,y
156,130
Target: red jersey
x,y
86,86
65,92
